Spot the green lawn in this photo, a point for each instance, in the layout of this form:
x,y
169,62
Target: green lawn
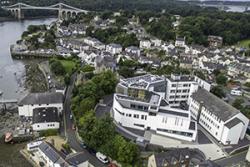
x,y
244,43
68,65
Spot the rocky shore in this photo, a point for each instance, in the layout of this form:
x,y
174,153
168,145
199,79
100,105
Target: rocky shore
x,y
35,79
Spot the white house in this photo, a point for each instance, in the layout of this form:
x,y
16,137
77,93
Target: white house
x,y
45,118
114,48
145,44
224,122
180,42
39,100
139,103
133,50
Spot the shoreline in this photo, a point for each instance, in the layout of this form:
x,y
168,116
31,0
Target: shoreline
x,y
9,19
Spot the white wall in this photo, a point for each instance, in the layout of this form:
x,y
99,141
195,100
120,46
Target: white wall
x,y
45,126
232,135
161,120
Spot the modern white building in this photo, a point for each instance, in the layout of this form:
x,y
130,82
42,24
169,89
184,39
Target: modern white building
x,y
45,118
39,100
180,87
224,122
140,103
114,48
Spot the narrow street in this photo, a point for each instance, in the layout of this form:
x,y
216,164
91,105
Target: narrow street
x,y
69,132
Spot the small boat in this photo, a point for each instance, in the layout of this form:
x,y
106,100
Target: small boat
x,y
8,137
1,93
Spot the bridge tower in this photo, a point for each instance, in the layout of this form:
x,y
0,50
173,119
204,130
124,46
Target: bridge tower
x,y
60,12
19,14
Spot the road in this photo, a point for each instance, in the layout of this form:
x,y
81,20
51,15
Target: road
x,y
69,132
232,160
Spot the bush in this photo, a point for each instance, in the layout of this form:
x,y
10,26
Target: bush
x,y
49,132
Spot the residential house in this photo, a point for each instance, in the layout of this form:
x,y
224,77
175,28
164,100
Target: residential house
x,y
184,157
45,118
114,48
105,62
215,41
51,156
180,42
39,100
133,50
236,69
145,44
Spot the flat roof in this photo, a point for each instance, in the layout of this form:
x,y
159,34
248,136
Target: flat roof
x,y
180,114
42,115
142,81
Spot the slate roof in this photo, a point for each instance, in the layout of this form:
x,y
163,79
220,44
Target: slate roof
x,y
52,154
42,98
43,114
214,104
171,157
233,122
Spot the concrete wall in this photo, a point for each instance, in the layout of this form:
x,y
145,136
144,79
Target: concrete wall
x,y
45,126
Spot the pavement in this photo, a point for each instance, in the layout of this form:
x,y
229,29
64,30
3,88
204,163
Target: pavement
x,y
70,134
234,160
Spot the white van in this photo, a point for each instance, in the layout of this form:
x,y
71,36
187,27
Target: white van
x,y
102,158
236,92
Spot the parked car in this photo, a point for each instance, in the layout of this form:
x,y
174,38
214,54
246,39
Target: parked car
x,y
83,145
103,158
70,116
236,92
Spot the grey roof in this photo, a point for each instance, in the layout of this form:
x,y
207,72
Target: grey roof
x,y
42,98
169,158
214,104
174,113
43,114
233,123
52,154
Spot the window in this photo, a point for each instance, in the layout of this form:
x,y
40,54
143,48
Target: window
x,y
185,91
173,85
178,91
142,116
172,91
185,85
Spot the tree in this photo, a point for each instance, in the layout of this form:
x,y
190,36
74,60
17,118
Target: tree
x,y
238,103
218,91
126,152
57,67
221,79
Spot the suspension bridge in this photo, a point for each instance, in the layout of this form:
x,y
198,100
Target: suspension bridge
x,y
64,11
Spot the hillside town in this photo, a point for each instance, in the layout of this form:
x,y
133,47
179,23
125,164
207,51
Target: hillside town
x,y
109,93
